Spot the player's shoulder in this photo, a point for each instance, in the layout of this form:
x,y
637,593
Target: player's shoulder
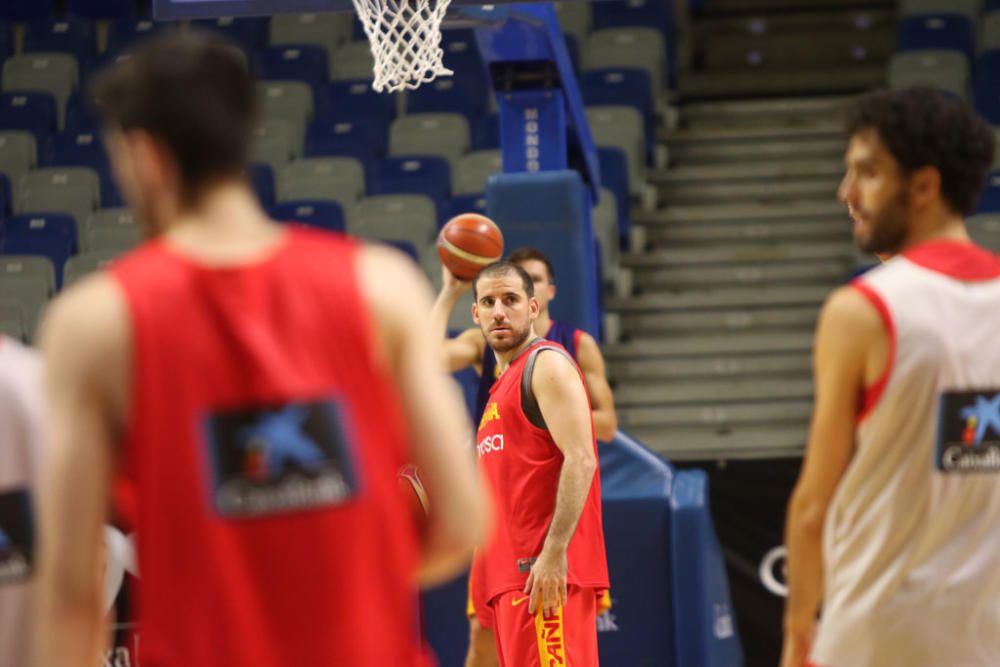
x,y
853,309
553,362
90,315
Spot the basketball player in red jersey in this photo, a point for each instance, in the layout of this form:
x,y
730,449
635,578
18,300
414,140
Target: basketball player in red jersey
x,y
893,530
469,349
543,569
260,386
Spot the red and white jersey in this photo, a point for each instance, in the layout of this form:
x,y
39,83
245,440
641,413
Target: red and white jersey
x,y
20,460
911,546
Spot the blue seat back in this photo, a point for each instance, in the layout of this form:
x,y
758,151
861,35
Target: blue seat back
x,y
26,10
262,182
70,35
614,176
33,112
986,86
416,174
352,99
123,33
326,215
936,31
466,96
463,204
250,33
989,201
101,9
291,62
358,137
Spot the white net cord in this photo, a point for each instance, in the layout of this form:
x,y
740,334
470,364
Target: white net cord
x,y
405,38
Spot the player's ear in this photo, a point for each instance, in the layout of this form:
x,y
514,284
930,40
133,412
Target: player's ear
x,y
475,312
533,306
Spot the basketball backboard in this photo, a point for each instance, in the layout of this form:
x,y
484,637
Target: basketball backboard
x,y
204,9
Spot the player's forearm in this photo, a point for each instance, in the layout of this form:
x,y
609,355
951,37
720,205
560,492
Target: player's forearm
x,y
441,311
804,538
69,628
605,423
575,480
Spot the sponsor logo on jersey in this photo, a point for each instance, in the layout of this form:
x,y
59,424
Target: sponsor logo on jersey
x,y
491,413
491,443
969,432
17,537
281,458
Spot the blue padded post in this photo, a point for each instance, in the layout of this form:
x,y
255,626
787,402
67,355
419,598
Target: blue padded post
x,y
704,620
533,130
550,210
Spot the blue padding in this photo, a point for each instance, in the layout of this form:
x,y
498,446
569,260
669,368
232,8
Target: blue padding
x,y
614,176
123,33
622,86
533,130
326,215
101,9
412,174
550,210
989,201
34,112
293,62
463,204
249,33
73,35
936,31
987,86
573,51
25,10
706,630
262,181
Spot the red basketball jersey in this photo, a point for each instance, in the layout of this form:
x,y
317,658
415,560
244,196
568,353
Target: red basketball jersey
x,y
264,440
522,466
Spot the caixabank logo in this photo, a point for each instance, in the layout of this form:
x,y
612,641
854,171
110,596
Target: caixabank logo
x,y
17,536
969,432
281,458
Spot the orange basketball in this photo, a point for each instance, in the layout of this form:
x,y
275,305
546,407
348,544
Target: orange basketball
x,y
467,243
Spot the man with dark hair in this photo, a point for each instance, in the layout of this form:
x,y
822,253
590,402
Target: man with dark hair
x,y
257,387
894,525
468,349
543,570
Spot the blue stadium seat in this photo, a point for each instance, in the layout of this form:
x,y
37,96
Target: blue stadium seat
x,y
6,201
6,40
351,99
461,53
249,33
83,148
295,62
79,116
989,202
625,86
415,174
486,133
986,87
936,31
990,5
34,112
52,236
72,35
462,204
101,9
262,181
573,49
26,10
123,33
326,215
614,176
460,94
657,14
361,138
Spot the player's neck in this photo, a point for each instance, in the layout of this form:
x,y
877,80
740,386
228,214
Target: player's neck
x,y
505,358
949,229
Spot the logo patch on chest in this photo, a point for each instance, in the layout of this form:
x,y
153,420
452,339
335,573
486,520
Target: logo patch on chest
x,y
17,537
281,458
969,432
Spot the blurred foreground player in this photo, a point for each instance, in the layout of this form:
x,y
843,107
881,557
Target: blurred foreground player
x,y
261,386
894,525
543,570
20,459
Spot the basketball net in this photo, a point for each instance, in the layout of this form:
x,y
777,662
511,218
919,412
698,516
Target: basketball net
x,y
405,38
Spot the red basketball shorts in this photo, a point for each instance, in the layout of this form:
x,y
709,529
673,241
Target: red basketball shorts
x,y
568,638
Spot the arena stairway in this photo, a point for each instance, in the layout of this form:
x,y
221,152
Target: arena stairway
x,y
730,271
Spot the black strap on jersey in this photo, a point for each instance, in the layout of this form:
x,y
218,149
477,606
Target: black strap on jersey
x,y
529,404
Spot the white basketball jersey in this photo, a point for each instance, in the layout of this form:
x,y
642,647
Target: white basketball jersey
x,y
911,545
20,457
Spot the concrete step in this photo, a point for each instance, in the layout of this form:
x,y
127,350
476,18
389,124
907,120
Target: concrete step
x,y
776,231
755,152
783,364
739,254
714,345
823,187
716,414
787,132
723,442
741,83
659,393
746,211
777,110
806,273
720,297
733,319
812,48
723,7
738,173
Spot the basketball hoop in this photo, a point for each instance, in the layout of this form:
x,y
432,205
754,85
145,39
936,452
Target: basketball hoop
x,y
405,38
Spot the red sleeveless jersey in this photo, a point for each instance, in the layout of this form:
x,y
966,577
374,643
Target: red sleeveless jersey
x,y
522,464
262,449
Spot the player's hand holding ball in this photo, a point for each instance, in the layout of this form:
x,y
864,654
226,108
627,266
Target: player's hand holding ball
x,y
546,584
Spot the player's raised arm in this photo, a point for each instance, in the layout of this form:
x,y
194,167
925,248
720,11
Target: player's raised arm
x,y
439,428
562,401
466,349
85,345
602,402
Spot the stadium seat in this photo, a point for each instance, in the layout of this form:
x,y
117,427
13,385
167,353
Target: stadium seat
x,y
6,199
6,39
420,175
361,138
43,224
945,70
464,95
943,32
989,201
486,133
17,153
33,266
111,241
473,170
638,48
605,221
967,8
101,9
630,87
84,263
83,149
54,246
261,178
988,5
986,88
461,53
31,112
26,10
74,191
575,19
442,134
352,61
354,99
249,33
123,33
79,116
615,177
109,218
326,215
621,127
31,293
410,218
12,320
658,14
277,142
286,100
53,73
463,204
293,62
328,30
334,179
74,36
51,179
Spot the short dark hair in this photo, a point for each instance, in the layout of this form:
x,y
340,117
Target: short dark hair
x,y
503,268
192,92
922,127
528,253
